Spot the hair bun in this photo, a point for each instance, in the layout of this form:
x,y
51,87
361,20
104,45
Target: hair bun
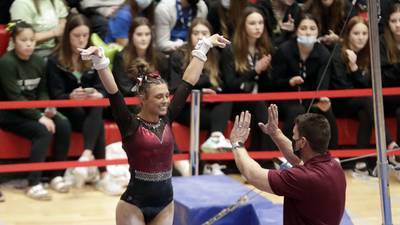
x,y
138,68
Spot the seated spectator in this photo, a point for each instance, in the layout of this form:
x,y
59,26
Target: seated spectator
x,y
351,70
172,21
5,11
300,65
24,79
119,24
331,15
245,69
47,18
71,78
98,12
214,116
224,15
279,16
390,62
140,49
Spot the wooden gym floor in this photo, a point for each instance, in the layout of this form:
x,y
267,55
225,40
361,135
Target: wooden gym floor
x,y
89,207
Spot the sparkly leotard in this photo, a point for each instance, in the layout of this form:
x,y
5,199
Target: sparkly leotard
x,y
149,148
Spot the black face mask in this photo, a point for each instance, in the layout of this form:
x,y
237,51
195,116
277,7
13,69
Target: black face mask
x,y
296,151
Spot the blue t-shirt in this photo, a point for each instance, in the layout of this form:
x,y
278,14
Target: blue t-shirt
x,y
119,25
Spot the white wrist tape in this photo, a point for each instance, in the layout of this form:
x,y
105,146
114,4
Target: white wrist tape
x,y
202,48
99,62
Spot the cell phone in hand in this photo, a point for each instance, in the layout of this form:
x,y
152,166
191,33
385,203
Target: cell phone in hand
x,y
89,90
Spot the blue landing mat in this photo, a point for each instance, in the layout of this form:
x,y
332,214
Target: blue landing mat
x,y
199,198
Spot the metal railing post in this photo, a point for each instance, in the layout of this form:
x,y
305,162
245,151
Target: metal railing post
x,y
195,132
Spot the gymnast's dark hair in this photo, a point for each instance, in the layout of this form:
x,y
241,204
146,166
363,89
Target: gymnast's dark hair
x,y
146,78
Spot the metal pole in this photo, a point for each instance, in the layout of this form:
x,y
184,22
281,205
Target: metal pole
x,y
382,162
195,132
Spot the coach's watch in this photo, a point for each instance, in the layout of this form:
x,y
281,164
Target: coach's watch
x,y
237,145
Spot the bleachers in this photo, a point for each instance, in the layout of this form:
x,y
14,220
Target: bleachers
x,y
15,147
4,37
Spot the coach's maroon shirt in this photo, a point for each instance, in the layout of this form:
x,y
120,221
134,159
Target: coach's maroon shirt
x,y
314,193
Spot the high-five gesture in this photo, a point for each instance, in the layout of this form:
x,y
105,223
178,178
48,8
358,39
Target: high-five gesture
x,y
241,128
271,127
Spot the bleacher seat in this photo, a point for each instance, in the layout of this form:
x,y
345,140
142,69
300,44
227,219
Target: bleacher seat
x,y
4,38
15,147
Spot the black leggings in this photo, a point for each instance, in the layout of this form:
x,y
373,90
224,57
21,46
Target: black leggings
x,y
392,108
41,139
291,109
89,121
362,108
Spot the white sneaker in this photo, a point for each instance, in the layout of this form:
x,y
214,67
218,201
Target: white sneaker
x,y
81,174
58,184
38,192
360,170
216,142
213,169
93,175
108,186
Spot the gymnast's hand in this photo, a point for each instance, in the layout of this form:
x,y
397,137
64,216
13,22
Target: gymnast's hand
x,y
241,128
96,55
218,40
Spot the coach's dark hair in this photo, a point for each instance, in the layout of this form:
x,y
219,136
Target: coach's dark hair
x,y
315,128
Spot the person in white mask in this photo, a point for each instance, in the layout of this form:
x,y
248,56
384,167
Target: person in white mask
x,y
299,65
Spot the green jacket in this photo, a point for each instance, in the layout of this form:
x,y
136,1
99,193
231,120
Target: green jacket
x,y
23,80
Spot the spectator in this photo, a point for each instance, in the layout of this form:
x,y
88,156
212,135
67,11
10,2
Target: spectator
x,y
98,12
24,79
47,18
5,11
119,24
71,78
300,65
214,116
390,62
351,70
331,15
140,50
224,15
172,21
245,69
280,16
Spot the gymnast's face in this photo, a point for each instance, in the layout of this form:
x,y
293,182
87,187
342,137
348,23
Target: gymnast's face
x,y
156,99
